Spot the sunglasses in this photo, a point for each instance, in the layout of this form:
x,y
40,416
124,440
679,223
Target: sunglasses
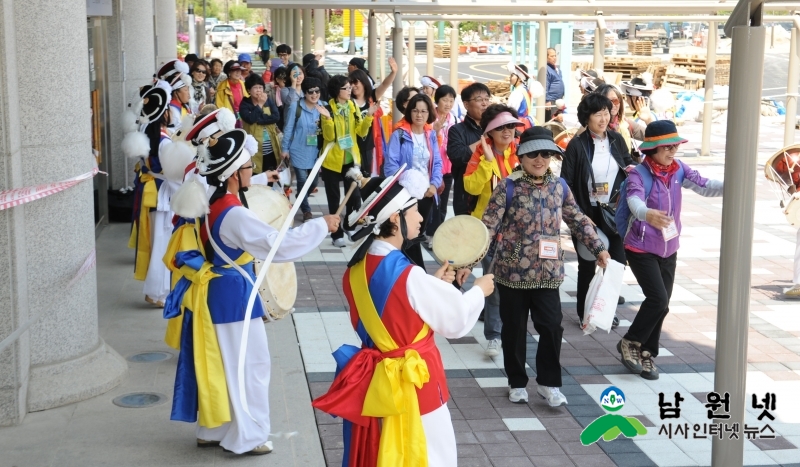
x,y
542,154
508,126
201,71
313,91
614,101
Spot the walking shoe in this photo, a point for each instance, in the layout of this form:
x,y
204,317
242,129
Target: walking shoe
x,y
493,349
649,370
265,448
553,396
339,242
614,322
630,353
794,292
307,216
157,304
518,395
203,443
621,300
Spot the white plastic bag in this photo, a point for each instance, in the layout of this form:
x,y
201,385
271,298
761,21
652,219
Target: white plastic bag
x,y
602,297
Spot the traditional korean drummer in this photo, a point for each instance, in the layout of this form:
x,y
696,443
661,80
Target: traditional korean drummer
x,y
395,308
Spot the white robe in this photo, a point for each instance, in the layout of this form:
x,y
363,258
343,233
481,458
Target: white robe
x,y
240,228
428,296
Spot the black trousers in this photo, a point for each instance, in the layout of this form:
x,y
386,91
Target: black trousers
x,y
265,57
460,203
439,213
586,269
414,251
332,179
656,276
544,306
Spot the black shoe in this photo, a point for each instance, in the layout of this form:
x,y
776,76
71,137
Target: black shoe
x,y
621,300
480,318
615,322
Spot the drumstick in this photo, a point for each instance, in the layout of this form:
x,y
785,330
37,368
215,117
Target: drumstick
x,y
346,197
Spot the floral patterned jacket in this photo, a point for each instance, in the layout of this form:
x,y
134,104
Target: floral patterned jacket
x,y
535,212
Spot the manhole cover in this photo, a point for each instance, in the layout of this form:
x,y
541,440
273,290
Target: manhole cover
x,y
145,357
138,400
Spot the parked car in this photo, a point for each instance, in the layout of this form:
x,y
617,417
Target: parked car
x,y
238,24
210,23
222,34
254,29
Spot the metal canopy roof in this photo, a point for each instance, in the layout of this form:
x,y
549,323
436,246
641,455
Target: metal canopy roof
x,y
607,7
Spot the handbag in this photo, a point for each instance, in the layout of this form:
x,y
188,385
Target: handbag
x,y
602,297
608,210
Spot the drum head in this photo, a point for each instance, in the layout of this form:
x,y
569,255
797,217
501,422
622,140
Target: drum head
x,y
792,212
563,138
279,289
555,127
269,205
783,168
463,240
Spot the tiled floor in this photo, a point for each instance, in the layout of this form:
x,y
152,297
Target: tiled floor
x,y
491,431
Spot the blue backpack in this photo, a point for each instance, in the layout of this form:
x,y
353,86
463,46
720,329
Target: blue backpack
x,y
622,217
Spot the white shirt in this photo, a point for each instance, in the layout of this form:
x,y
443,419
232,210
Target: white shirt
x,y
421,155
604,168
242,229
443,307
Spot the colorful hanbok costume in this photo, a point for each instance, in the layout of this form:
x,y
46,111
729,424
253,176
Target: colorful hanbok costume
x,y
211,259
392,392
520,98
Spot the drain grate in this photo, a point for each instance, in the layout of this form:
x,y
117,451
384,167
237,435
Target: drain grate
x,y
146,357
138,400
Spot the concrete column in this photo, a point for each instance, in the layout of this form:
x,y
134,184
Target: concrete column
x,y
736,246
372,45
791,88
454,55
397,52
308,47
351,49
297,34
708,102
412,52
429,51
541,63
50,351
383,49
599,47
288,24
130,66
319,30
166,31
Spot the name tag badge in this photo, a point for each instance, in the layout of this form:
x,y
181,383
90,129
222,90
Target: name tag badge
x,y
670,231
311,140
548,248
601,189
345,142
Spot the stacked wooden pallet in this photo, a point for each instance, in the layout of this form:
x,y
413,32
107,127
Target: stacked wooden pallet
x,y
441,50
657,72
629,67
697,64
640,48
678,79
499,88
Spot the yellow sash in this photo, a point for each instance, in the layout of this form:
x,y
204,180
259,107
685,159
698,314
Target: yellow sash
x,y
140,234
392,394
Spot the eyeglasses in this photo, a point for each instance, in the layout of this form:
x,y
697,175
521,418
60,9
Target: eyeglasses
x,y
542,154
419,111
283,55
245,168
201,71
313,91
508,126
346,88
479,100
614,101
671,147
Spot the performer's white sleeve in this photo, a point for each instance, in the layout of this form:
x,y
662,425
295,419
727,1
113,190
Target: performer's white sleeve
x,y
241,228
446,310
515,100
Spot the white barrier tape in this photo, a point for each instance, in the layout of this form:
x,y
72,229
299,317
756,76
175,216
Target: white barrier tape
x,y
87,266
19,196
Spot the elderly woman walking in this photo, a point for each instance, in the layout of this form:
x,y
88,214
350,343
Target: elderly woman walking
x,y
652,240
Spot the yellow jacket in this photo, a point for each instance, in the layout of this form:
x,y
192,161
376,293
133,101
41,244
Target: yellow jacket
x,y
225,95
480,172
333,128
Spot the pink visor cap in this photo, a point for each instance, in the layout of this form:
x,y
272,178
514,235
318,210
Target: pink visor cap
x,y
503,118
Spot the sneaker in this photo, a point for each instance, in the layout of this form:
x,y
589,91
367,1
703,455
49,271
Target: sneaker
x,y
518,395
307,216
493,349
553,396
204,443
265,448
339,242
614,322
630,353
794,292
649,370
